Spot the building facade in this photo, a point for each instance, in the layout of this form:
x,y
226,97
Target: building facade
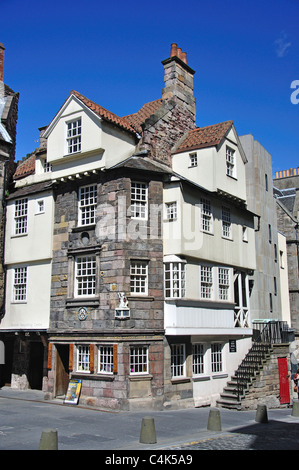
x,y
129,249
8,130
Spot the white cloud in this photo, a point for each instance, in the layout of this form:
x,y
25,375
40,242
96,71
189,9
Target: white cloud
x,y
282,45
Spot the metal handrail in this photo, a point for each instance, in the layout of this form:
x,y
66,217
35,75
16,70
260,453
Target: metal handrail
x,y
274,332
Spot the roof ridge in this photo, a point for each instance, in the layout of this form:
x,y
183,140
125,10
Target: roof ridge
x,y
104,112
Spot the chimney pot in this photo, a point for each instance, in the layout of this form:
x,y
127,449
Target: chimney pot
x,y
173,49
184,57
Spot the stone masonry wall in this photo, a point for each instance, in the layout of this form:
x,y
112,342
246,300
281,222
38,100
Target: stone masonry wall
x,y
265,389
116,239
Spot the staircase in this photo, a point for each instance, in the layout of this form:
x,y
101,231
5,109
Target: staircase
x,y
249,370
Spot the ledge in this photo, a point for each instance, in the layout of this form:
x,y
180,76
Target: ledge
x,y
141,377
84,302
182,380
91,376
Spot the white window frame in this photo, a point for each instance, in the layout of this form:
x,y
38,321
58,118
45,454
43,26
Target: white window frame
x,y
105,359
198,359
21,217
206,282
85,275
215,283
139,200
87,205
20,282
83,358
139,360
74,135
193,159
230,162
175,279
139,277
47,167
40,206
224,283
227,231
171,210
206,216
217,365
178,360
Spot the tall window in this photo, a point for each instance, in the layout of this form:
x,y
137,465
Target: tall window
x,y
226,223
74,136
139,277
20,285
85,276
174,279
139,360
21,214
206,282
139,195
171,210
230,162
87,204
216,357
198,358
206,216
178,360
105,359
83,358
223,283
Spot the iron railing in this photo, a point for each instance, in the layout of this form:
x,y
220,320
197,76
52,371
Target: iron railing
x,y
274,332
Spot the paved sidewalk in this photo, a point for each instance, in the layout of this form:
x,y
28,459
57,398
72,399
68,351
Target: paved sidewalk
x,y
25,414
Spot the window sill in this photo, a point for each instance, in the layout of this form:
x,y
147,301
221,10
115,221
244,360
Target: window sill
x,y
201,378
220,375
92,376
83,228
144,377
180,380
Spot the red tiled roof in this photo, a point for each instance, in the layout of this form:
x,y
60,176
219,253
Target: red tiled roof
x,y
147,110
25,167
104,113
204,136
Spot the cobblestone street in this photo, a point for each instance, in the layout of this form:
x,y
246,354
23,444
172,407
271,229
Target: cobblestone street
x,y
274,435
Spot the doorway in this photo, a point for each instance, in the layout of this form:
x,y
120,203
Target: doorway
x,y
62,369
36,365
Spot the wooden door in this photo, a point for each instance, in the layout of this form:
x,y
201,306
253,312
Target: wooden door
x,y
283,380
62,369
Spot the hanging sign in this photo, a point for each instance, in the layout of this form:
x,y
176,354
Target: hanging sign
x,y
232,345
73,392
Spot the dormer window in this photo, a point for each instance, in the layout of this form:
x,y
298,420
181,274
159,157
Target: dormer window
x,y
230,162
74,136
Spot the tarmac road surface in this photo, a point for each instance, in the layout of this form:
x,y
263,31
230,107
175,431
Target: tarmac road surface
x,y
24,415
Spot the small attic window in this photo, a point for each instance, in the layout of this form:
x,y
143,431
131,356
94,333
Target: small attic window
x,y
230,162
74,136
47,167
193,159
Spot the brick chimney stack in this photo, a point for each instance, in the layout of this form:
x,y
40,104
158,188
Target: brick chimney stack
x,y
2,49
178,79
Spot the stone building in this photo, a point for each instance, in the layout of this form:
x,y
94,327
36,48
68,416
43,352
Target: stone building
x,y
8,129
286,186
128,255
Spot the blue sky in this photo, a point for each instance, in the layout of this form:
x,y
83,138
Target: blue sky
x,y
245,54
